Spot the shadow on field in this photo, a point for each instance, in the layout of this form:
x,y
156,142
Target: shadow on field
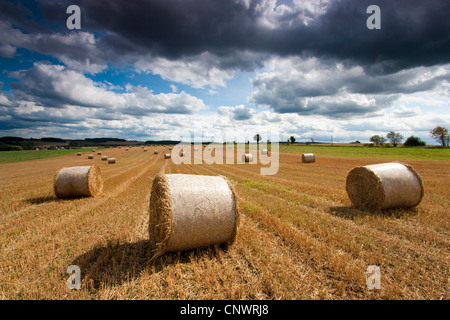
x,y
117,263
351,213
44,199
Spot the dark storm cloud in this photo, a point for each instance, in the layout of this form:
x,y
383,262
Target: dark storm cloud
x,y
241,113
413,32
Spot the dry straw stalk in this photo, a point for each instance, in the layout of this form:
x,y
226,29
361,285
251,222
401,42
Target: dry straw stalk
x,y
384,185
82,181
191,211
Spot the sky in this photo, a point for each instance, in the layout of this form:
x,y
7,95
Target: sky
x,y
224,69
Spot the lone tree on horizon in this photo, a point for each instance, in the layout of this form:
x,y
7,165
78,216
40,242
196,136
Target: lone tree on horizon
x,y
377,139
292,139
257,138
441,135
395,138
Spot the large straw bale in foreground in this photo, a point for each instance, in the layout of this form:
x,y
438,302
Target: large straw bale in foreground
x,y
82,181
385,185
308,157
191,211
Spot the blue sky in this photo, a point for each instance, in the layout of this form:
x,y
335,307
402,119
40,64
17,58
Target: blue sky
x,y
152,70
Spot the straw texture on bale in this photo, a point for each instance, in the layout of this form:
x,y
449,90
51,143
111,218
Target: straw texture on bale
x,y
104,158
167,155
83,181
247,157
308,157
191,211
182,154
90,156
385,185
111,160
264,151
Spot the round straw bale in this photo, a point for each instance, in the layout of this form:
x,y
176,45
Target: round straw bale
x,y
191,211
264,151
308,157
104,158
93,150
384,185
170,148
111,160
84,181
247,157
155,152
79,154
167,155
126,149
99,153
145,149
90,156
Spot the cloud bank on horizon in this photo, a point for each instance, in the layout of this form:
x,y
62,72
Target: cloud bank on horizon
x,y
148,69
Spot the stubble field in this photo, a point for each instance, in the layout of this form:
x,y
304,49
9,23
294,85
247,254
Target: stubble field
x,y
298,236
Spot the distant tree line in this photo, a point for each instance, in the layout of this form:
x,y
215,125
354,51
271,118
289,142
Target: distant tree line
x,y
15,143
440,134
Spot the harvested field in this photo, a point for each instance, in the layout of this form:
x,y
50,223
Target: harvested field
x,y
299,236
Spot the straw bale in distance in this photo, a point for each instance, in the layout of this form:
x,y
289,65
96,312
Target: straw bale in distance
x,y
90,156
308,157
191,211
104,158
167,155
155,152
78,153
82,181
99,153
385,185
247,157
111,160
